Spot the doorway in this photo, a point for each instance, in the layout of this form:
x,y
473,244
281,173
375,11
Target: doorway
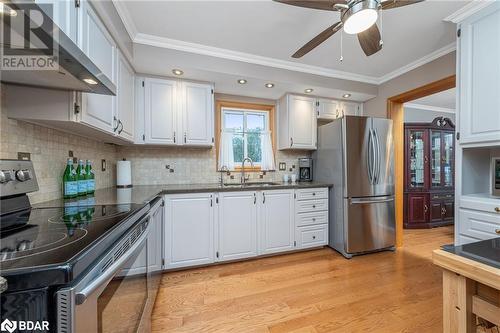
x,y
395,111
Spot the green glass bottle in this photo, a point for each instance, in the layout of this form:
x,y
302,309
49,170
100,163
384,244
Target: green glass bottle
x,y
70,184
90,178
81,178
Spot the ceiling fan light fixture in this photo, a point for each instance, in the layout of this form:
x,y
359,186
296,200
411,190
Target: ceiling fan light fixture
x,y
360,17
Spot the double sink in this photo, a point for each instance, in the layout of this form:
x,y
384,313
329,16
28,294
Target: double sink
x,y
252,184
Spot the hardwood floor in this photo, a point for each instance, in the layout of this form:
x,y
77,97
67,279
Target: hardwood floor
x,y
315,291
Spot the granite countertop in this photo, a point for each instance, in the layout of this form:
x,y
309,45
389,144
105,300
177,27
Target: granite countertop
x,y
145,193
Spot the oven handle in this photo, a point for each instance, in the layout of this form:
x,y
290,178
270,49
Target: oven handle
x,y
82,295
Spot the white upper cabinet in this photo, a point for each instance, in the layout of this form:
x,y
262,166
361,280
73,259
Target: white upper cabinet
x,y
297,122
350,109
64,15
189,230
95,41
479,76
197,108
160,111
176,113
125,117
328,108
276,223
237,225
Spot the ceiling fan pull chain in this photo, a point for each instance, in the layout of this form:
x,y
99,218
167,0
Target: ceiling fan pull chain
x,y
381,41
341,45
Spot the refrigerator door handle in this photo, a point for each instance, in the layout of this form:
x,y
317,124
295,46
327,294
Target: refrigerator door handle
x,y
377,158
369,159
370,201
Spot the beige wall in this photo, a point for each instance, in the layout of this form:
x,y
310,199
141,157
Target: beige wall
x,y
430,72
49,152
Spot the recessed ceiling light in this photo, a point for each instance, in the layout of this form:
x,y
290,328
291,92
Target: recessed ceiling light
x,y
308,90
177,72
242,81
269,85
90,81
346,95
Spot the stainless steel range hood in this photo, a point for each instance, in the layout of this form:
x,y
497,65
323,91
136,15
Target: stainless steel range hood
x,y
74,65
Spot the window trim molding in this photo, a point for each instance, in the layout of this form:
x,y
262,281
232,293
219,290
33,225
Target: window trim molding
x,y
220,104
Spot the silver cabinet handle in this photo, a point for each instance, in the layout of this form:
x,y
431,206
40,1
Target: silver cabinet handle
x,y
263,197
426,209
117,124
82,295
121,124
314,237
254,198
174,136
314,206
291,142
185,135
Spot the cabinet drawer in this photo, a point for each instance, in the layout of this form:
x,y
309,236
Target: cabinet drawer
x,y
312,236
487,205
311,205
478,224
442,196
312,218
312,193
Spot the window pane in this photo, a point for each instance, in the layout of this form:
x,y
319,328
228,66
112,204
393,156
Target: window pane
x,y
255,122
233,121
254,147
238,148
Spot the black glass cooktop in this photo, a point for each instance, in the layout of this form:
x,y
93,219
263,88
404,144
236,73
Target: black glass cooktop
x,y
61,242
486,252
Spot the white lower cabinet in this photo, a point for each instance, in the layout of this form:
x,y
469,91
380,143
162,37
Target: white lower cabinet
x,y
203,228
478,225
237,224
276,223
189,230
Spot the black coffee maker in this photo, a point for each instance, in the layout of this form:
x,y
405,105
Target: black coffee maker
x,y
305,169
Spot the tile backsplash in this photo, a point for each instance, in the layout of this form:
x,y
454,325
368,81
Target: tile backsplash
x,y
49,151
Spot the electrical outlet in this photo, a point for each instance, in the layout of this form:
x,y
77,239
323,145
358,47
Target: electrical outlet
x,y
70,153
282,166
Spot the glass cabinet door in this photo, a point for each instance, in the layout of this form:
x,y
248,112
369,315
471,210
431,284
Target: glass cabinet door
x,y
416,151
435,168
447,159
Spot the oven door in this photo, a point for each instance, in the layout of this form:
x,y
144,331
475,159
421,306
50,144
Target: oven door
x,y
113,296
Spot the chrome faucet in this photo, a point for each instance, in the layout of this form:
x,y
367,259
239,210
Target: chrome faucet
x,y
243,177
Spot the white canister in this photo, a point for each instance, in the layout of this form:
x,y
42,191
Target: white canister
x,y
293,177
285,178
123,174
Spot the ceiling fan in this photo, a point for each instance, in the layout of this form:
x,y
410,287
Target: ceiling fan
x,y
356,17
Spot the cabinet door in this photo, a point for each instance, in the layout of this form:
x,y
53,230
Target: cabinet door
x,y
276,224
302,122
125,100
418,208
350,109
448,210
479,76
237,225
416,159
64,15
436,211
189,230
95,41
197,114
435,167
160,111
328,109
448,160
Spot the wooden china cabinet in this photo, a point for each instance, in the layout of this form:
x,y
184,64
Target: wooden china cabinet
x,y
429,173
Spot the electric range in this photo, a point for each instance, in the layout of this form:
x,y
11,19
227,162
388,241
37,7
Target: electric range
x,y
46,252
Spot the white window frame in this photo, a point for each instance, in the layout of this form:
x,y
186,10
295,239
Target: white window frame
x,y
245,112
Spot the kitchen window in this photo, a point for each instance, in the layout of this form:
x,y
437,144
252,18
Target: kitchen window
x,y
245,132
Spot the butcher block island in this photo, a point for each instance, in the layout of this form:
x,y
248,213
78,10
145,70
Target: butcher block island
x,y
471,285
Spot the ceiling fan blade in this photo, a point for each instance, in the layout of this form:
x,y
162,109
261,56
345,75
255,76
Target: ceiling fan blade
x,y
315,4
370,40
389,4
324,35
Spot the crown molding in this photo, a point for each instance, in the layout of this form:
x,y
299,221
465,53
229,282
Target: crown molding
x,y
127,20
467,10
419,62
428,108
174,44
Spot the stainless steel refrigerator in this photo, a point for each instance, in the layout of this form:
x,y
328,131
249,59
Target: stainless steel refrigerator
x,y
356,155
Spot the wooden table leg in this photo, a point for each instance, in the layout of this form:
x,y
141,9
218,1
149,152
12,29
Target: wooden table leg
x,y
457,304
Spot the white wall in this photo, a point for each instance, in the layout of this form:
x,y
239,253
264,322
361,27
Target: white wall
x,y
412,115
